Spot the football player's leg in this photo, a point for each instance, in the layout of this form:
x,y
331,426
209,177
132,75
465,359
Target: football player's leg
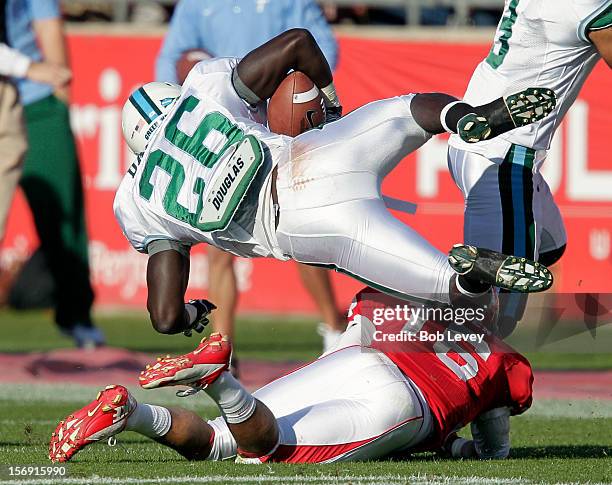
x,y
115,410
359,237
505,208
551,237
250,422
348,405
490,218
188,434
223,290
362,239
508,207
374,138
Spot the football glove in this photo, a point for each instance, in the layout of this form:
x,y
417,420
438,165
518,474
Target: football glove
x,y
333,113
203,308
457,447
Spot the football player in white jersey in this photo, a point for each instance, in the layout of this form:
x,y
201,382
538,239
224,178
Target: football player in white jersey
x,y
208,170
509,206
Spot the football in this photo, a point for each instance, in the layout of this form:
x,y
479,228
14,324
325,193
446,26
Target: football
x,y
188,59
296,106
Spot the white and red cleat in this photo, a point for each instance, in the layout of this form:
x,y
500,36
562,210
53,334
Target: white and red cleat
x,y
102,418
196,369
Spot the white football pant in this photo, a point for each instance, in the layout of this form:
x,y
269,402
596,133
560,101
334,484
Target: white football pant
x,y
351,404
501,205
331,207
508,208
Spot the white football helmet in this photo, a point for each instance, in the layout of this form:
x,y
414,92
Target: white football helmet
x,y
143,111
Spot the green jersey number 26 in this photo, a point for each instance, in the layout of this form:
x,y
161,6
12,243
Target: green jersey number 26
x,y
195,147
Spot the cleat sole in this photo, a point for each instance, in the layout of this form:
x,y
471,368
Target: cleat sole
x,y
512,273
530,105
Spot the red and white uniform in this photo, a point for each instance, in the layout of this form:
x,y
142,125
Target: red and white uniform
x,y
460,380
366,399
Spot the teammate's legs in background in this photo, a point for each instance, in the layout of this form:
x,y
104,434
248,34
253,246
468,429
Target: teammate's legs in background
x,y
318,284
509,209
52,184
223,290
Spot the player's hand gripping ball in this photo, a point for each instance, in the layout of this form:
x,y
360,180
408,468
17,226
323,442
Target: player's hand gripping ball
x,y
296,106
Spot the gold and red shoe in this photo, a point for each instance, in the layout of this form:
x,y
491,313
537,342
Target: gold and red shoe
x,y
196,369
104,417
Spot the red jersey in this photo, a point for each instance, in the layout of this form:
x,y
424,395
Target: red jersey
x,y
462,370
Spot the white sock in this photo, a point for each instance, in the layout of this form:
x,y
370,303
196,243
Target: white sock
x,y
443,114
149,420
235,402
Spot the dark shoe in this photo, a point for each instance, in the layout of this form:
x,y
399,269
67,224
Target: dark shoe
x,y
487,302
497,269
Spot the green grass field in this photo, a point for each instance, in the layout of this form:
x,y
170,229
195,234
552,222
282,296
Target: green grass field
x,y
556,441
257,337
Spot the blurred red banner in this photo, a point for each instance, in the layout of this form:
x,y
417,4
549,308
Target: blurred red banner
x,y
106,68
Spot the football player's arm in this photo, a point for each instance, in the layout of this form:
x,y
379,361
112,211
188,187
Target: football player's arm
x,y
262,70
310,16
491,433
14,63
602,40
167,279
491,437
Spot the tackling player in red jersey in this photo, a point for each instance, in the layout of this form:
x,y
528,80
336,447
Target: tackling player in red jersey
x,y
399,380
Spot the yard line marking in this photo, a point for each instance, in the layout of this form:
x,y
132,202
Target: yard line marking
x,y
359,479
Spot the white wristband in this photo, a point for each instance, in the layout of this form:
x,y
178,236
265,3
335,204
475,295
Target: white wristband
x,y
443,116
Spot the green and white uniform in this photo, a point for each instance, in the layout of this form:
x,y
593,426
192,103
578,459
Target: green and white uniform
x,y
330,213
544,43
211,152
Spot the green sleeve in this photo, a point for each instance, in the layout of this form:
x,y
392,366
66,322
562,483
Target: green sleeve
x,y
598,20
602,21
